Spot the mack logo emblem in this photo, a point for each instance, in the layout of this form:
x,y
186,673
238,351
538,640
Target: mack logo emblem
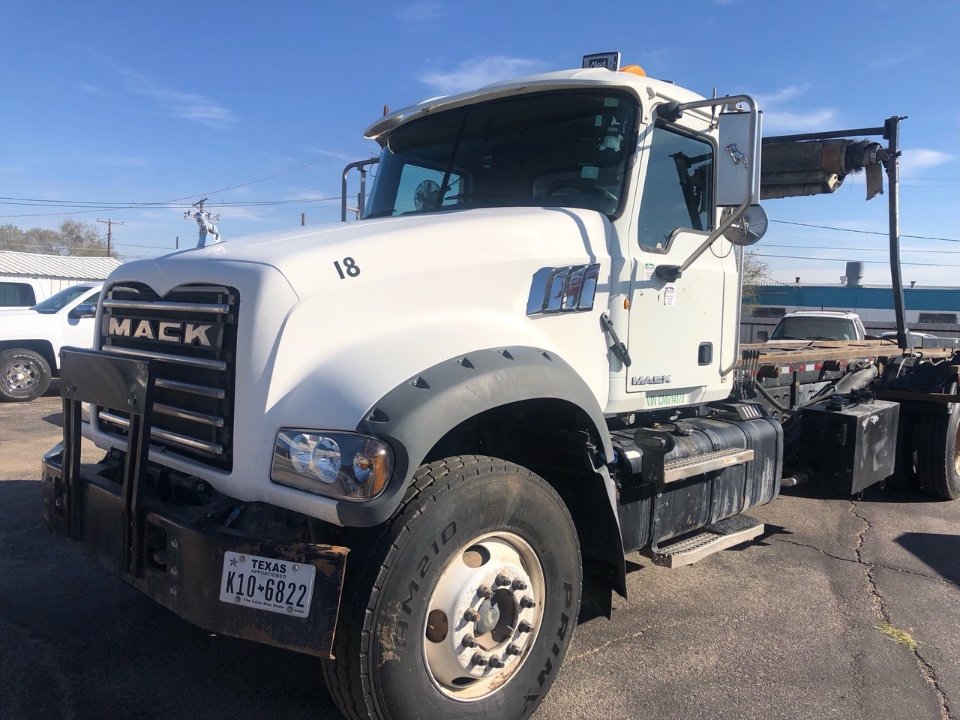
x,y
650,380
171,331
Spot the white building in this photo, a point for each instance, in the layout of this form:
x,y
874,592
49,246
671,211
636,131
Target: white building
x,y
28,278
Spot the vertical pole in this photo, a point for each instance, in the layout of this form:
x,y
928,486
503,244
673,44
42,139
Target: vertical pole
x,y
109,223
176,244
891,133
303,219
363,192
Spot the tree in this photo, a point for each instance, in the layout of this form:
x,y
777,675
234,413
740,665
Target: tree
x,y
754,275
73,237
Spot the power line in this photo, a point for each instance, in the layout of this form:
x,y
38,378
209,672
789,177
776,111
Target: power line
x,y
835,247
259,180
103,207
862,232
824,259
39,202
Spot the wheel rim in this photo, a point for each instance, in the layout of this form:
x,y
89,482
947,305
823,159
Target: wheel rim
x,y
484,616
21,376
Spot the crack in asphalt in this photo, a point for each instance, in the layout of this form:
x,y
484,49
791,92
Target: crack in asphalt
x,y
629,636
796,543
880,606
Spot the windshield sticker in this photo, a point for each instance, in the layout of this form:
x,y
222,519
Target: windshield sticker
x,y
669,295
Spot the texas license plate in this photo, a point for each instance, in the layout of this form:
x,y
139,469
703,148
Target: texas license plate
x,y
263,583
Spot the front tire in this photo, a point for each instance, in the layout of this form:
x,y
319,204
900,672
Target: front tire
x,y
937,444
464,604
24,375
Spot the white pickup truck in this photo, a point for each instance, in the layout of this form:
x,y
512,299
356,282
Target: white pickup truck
x,y
21,293
819,325
30,340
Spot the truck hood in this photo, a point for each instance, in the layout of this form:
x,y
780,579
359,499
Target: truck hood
x,y
306,256
18,324
333,319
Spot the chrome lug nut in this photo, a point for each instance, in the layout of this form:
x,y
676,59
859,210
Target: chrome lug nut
x,y
478,659
484,592
495,662
513,649
471,615
502,580
527,602
519,585
524,627
469,641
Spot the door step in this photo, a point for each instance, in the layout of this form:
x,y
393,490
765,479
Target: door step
x,y
713,538
700,464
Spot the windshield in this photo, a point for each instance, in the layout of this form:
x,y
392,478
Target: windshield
x,y
815,328
63,298
557,149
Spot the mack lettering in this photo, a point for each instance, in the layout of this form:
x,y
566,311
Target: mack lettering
x,y
171,331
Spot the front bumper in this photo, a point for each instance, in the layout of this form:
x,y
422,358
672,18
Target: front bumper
x,y
181,560
172,552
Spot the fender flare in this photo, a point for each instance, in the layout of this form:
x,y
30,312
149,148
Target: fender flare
x,y
416,414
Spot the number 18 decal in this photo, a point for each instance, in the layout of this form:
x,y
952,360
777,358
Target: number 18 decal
x,y
348,269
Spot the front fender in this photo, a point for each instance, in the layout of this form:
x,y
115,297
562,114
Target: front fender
x,y
416,414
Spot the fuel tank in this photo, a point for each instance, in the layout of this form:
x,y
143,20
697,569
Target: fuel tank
x,y
652,509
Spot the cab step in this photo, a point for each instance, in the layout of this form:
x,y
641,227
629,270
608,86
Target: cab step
x,y
677,470
713,538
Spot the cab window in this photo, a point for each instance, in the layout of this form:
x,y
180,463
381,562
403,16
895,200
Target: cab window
x,y
678,189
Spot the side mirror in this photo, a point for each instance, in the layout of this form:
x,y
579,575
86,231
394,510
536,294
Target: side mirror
x,y
763,336
84,310
738,164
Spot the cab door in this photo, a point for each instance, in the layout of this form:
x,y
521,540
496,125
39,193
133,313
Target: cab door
x,y
681,333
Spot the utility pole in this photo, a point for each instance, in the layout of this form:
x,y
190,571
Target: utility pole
x,y
109,224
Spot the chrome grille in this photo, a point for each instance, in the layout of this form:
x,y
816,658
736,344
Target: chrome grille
x,y
190,337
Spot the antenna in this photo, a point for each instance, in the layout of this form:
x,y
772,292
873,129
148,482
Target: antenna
x,y
205,224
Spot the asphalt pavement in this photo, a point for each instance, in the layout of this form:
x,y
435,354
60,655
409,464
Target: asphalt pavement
x,y
845,608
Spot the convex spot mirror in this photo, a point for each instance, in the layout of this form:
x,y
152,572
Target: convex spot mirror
x,y
749,228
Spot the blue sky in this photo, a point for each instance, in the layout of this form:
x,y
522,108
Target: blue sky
x,y
139,102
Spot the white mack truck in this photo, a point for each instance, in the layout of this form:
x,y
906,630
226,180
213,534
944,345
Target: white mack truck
x,y
410,445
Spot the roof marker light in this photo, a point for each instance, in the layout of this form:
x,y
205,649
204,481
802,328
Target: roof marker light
x,y
634,70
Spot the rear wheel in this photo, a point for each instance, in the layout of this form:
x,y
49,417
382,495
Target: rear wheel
x,y
466,603
937,445
24,375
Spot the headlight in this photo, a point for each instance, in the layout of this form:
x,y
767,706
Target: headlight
x,y
341,465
